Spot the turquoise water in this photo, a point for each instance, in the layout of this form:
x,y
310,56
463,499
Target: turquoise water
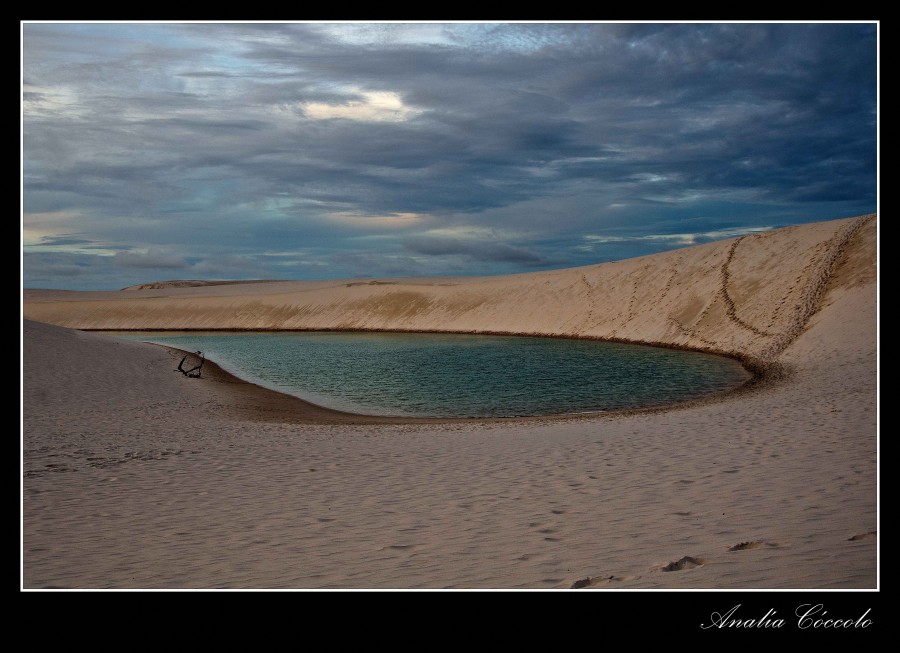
x,y
441,375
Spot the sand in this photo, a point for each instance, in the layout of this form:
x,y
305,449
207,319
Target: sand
x,y
135,476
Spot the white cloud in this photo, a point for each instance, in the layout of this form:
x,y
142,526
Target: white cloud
x,y
376,106
58,101
390,220
677,239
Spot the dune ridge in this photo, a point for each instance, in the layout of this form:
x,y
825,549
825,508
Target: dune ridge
x,y
748,296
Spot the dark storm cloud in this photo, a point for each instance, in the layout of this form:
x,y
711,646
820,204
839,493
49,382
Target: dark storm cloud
x,y
254,139
476,251
56,242
153,258
47,267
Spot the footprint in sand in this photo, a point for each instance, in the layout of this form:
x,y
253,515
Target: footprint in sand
x,y
862,536
743,546
593,581
687,562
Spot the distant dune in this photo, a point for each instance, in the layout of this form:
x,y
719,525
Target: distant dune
x,y
187,283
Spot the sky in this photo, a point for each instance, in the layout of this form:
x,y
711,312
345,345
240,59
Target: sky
x,y
157,151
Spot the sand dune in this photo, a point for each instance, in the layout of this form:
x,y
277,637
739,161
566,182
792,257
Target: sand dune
x,y
135,476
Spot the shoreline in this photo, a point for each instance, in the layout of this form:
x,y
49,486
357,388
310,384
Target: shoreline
x,y
255,401
738,356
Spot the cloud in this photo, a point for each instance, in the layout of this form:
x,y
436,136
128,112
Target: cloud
x,y
152,258
230,139
680,240
476,251
48,267
63,242
391,221
374,106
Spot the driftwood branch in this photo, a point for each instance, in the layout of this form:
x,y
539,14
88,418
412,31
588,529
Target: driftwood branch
x,y
193,372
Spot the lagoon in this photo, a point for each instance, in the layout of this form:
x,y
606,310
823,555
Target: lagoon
x,y
460,375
